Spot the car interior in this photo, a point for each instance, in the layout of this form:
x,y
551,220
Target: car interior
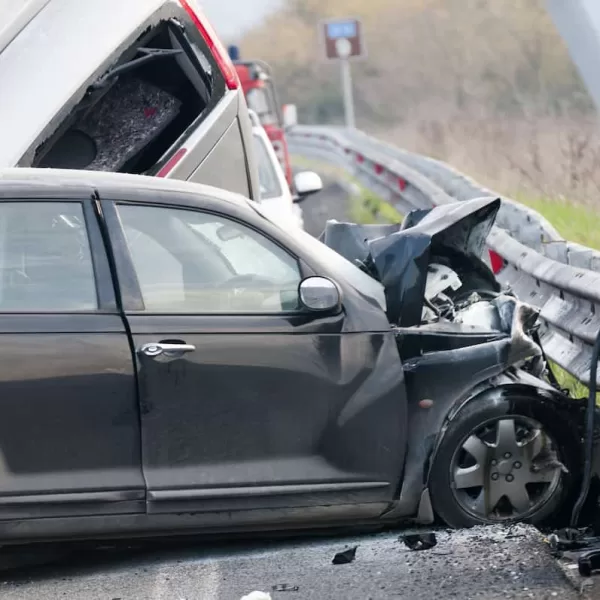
x,y
134,113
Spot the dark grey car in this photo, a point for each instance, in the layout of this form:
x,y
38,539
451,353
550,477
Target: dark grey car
x,y
173,361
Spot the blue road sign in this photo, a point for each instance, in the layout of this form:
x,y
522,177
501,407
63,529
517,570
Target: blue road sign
x,y
341,29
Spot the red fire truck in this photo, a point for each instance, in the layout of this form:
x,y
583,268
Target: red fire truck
x,y
257,82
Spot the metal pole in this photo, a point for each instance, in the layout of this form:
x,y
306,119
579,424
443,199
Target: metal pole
x,y
578,22
347,92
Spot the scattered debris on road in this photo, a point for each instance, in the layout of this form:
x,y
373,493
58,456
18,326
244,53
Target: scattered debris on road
x,y
345,557
419,541
285,587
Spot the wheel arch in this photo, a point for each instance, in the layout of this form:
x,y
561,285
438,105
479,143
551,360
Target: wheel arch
x,y
523,391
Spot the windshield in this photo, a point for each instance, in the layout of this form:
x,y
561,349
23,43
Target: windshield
x,y
357,278
269,182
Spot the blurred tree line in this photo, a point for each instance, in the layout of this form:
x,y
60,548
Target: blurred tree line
x,y
501,57
487,85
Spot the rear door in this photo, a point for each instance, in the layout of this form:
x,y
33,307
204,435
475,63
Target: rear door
x,y
247,401
69,421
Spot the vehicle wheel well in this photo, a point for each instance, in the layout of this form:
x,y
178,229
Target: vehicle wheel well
x,y
555,411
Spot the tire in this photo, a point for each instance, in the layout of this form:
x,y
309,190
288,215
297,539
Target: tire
x,y
452,498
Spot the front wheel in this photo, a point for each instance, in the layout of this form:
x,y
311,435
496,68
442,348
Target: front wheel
x,y
504,460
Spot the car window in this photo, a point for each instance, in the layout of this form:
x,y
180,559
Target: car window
x,y
340,265
135,113
269,182
195,262
259,101
45,258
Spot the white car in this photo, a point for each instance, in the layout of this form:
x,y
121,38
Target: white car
x,y
275,194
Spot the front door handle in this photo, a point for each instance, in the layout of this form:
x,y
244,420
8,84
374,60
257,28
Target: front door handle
x,y
159,348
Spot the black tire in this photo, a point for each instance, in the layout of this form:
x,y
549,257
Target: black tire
x,y
487,410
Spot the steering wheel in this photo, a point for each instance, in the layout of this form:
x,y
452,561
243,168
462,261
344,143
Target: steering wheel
x,y
262,288
246,281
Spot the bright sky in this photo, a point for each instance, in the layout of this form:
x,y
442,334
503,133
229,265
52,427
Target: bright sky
x,y
231,17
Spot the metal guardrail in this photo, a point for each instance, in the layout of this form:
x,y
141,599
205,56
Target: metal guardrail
x,y
560,277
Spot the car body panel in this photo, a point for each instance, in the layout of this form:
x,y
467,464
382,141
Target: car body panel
x,y
252,377
270,421
68,386
54,49
275,421
278,199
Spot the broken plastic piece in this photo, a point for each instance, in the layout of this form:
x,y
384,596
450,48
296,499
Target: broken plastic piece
x,y
571,539
589,562
345,557
419,541
285,587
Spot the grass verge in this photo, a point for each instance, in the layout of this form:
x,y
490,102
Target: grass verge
x,y
574,222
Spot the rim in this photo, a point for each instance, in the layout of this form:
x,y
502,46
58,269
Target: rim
x,y
506,469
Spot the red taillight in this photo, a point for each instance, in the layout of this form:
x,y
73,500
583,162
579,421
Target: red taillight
x,y
214,45
170,164
496,261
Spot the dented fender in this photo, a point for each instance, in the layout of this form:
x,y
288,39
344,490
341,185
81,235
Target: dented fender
x,y
523,391
428,426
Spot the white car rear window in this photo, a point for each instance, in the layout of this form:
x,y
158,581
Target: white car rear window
x,y
269,182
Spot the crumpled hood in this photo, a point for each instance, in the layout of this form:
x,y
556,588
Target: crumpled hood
x,y
399,255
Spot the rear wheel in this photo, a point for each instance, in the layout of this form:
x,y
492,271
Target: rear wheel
x,y
504,461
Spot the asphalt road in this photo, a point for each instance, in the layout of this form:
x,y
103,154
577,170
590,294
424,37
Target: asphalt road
x,y
331,203
490,563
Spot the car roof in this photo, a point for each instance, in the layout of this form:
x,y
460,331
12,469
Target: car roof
x,y
71,183
50,52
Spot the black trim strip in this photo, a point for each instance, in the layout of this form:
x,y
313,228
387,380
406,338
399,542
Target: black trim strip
x,y
264,490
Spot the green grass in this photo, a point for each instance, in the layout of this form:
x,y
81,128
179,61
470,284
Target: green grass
x,y
568,382
574,222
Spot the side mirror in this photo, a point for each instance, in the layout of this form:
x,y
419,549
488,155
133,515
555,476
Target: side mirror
x,y
305,184
290,115
319,294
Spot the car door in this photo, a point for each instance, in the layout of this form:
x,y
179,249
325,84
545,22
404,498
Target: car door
x,y
69,422
248,402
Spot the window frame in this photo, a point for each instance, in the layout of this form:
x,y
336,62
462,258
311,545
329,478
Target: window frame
x,y
106,300
192,43
130,288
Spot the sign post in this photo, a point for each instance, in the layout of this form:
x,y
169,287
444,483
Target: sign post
x,y
342,42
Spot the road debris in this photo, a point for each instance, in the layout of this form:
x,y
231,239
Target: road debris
x,y
589,562
419,541
568,539
345,557
285,587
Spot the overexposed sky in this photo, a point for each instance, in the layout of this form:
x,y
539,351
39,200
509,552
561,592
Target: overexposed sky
x,y
231,17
